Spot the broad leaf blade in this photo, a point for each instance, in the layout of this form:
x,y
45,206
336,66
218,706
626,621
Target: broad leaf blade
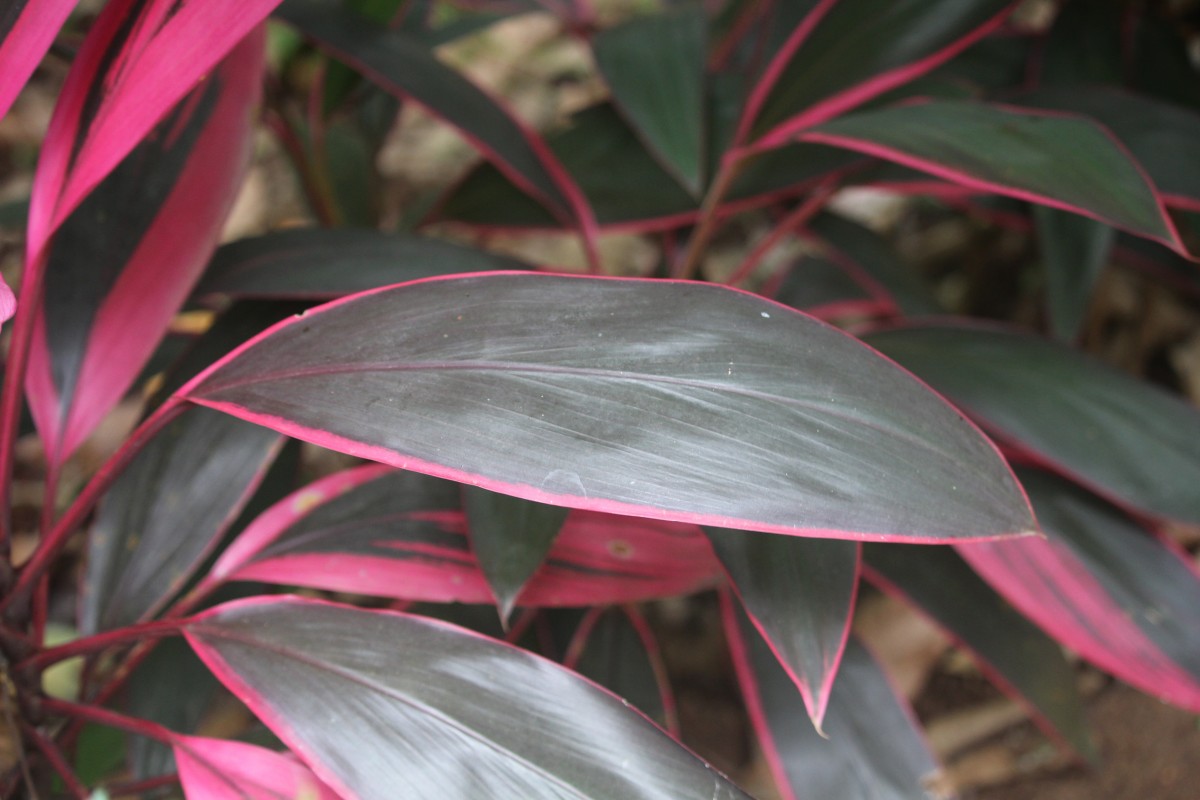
x,y
430,710
799,593
122,263
323,264
510,538
654,66
167,510
217,769
1075,251
27,29
1077,413
1015,653
1105,588
409,68
612,395
854,53
874,750
374,530
1065,162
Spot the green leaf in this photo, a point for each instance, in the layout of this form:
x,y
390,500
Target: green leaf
x,y
799,593
424,709
654,66
1065,162
668,400
1075,251
510,538
1027,661
1127,439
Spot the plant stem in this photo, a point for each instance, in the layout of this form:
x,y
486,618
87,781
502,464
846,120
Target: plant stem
x,y
57,760
731,165
798,216
113,719
15,604
101,641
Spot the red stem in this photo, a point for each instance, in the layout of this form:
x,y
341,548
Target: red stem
x,y
113,719
55,756
53,542
800,215
659,667
101,641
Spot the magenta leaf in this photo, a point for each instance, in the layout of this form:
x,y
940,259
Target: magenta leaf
x,y
1080,415
217,769
842,54
167,511
799,593
874,750
1105,588
377,531
510,538
27,29
121,264
1061,161
669,400
1014,652
429,710
324,264
654,66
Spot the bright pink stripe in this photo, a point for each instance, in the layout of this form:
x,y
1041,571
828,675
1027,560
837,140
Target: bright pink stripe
x,y
27,41
900,157
218,769
877,85
766,82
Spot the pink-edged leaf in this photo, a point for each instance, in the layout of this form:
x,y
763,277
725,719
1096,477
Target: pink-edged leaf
x,y
874,749
654,66
218,769
1102,586
27,29
141,58
510,538
1014,653
122,263
845,52
799,593
1057,160
167,511
424,709
374,530
324,264
670,400
409,68
1076,413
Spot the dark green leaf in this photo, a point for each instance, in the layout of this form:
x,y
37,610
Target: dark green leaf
x,y
654,66
1128,439
799,592
423,709
1075,250
662,399
1028,661
510,538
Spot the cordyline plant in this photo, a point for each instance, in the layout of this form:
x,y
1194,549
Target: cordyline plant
x,y
565,446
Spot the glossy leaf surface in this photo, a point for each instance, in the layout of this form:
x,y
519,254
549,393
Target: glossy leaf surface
x,y
1060,161
323,264
217,769
874,750
1075,250
1105,588
609,395
799,593
1014,651
429,710
510,538
654,66
853,53
394,534
123,262
1079,414
167,510
409,68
